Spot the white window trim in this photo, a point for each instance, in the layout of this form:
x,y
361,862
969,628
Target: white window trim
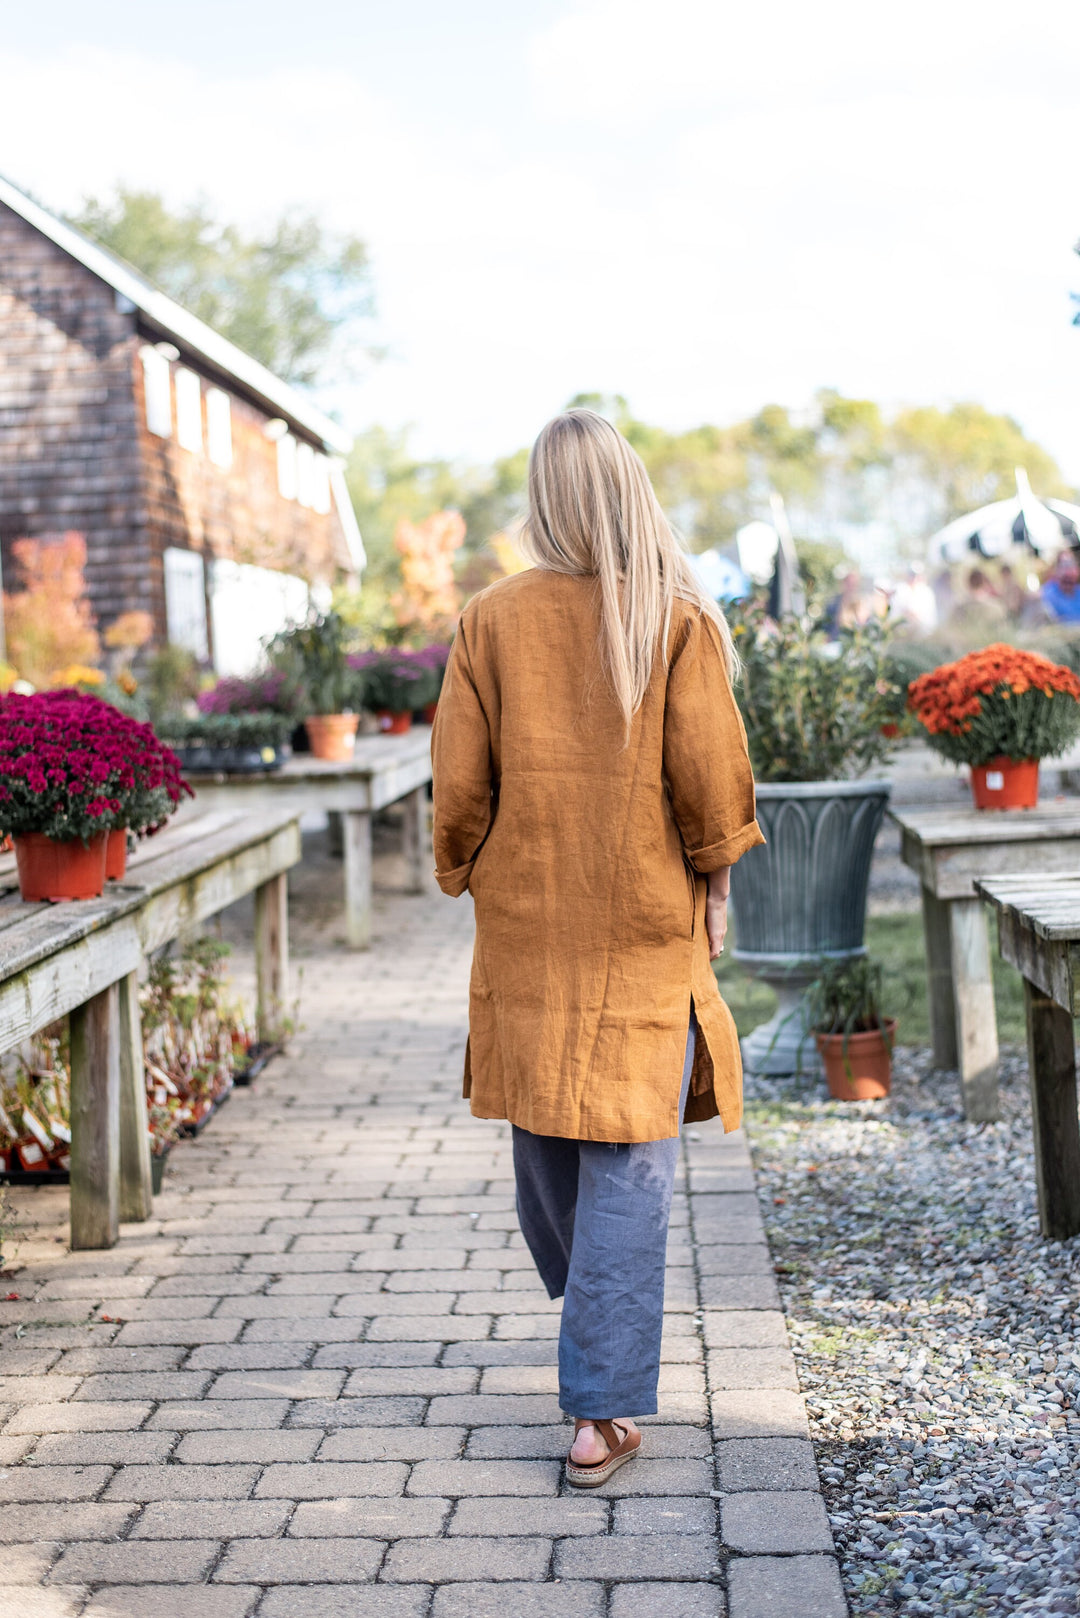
x,y
219,427
157,388
189,427
286,467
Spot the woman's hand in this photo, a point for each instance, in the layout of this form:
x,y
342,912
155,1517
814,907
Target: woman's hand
x,y
716,909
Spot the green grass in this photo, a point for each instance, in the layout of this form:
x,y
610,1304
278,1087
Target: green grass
x,y
897,942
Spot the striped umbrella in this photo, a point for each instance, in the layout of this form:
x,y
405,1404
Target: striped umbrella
x,y
1042,526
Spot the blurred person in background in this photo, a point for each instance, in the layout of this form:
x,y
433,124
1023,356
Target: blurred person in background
x,y
1061,591
914,601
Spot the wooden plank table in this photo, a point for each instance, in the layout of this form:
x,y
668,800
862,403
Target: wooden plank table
x,y
384,770
949,849
1039,933
83,957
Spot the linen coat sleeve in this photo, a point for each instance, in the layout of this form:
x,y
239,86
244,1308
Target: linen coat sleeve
x,y
705,758
461,771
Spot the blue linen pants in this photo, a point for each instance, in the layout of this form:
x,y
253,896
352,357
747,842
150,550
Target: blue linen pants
x,y
595,1219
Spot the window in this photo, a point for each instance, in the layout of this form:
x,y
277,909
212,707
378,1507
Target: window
x,y
219,427
188,410
248,605
158,392
305,474
286,466
321,500
185,600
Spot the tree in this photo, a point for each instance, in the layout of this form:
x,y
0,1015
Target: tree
x,y
285,295
48,622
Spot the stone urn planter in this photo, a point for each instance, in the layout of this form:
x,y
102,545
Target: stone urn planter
x,y
800,897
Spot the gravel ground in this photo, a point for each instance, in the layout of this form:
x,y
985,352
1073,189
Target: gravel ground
x,y
936,1338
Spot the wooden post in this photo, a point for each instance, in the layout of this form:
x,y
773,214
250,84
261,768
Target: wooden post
x,y
356,825
272,957
939,980
415,840
1052,1074
95,1120
136,1194
973,999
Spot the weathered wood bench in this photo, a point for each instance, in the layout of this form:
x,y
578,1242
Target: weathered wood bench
x,y
384,770
1039,933
949,849
82,959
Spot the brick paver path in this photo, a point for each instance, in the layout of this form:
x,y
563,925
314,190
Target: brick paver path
x,y
322,1380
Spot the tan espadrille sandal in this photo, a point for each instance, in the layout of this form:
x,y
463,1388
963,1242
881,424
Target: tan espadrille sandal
x,y
623,1444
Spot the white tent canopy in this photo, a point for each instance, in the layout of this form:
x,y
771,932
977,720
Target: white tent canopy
x,y
1025,521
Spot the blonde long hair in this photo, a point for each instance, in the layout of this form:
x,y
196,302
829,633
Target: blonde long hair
x,y
592,510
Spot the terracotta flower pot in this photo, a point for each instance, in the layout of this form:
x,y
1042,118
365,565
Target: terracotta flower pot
x,y
393,724
53,870
332,736
862,1072
116,854
1006,783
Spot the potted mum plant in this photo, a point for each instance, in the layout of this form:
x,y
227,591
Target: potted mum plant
x,y
815,709
72,770
314,656
400,681
854,1039
999,710
237,742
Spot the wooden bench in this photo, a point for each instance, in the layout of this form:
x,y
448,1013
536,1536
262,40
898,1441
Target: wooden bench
x,y
1039,933
384,770
82,959
949,849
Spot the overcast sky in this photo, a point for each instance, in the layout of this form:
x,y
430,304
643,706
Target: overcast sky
x,y
702,205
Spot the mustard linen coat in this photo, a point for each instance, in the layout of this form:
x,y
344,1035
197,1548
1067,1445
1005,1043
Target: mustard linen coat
x,y
584,860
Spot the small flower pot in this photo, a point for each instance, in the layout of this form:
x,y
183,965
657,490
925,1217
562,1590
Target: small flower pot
x,y
116,855
1006,783
862,1071
332,736
52,870
393,724
429,712
157,1168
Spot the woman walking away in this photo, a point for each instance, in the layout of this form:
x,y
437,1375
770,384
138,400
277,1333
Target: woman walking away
x,y
592,791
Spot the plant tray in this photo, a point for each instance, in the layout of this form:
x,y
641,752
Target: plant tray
x,y
189,1131
231,760
258,1056
35,1176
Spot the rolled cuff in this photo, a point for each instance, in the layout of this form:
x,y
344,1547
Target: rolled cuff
x,y
732,848
456,881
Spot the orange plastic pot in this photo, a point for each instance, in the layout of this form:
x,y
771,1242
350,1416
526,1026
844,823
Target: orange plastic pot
x,y
862,1071
393,724
53,870
1006,783
332,736
429,712
116,854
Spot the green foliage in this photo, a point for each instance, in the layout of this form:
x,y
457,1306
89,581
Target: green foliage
x,y
1030,725
283,296
313,657
813,708
845,997
172,678
243,730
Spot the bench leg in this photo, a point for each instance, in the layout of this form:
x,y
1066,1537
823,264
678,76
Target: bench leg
x,y
136,1194
356,826
95,1120
271,957
415,840
1052,1074
939,980
973,999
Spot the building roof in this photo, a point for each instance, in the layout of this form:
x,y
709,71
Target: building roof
x,y
178,324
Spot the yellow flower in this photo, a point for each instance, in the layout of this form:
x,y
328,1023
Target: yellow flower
x,y
76,674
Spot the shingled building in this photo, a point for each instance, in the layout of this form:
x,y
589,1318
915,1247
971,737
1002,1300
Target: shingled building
x,y
211,494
